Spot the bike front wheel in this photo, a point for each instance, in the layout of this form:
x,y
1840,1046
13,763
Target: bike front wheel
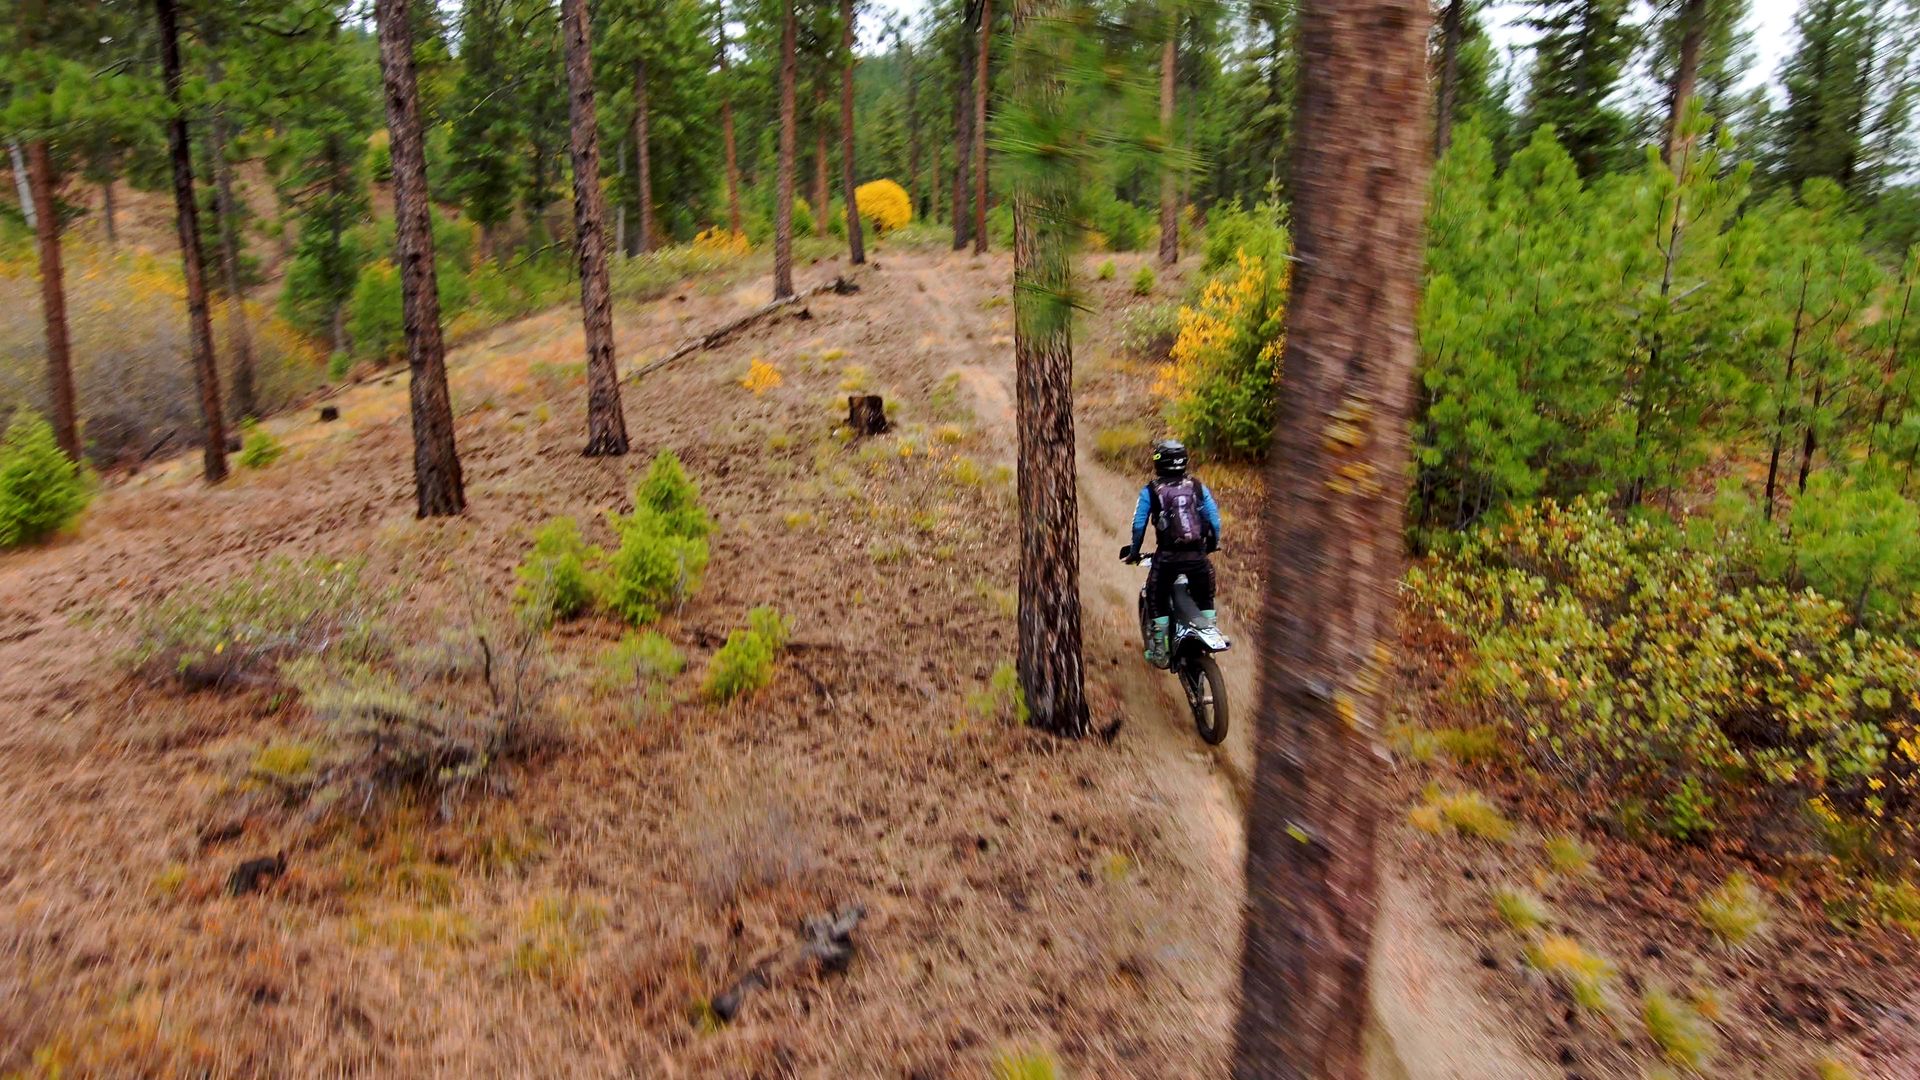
x,y
1206,696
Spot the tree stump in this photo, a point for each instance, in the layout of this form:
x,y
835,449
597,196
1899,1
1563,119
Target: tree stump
x,y
329,413
866,415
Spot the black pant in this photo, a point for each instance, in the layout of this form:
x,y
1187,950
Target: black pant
x,y
1168,565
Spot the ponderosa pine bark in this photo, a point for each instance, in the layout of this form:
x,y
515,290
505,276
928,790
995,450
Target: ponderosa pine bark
x,y
606,421
913,127
53,299
186,214
982,81
1169,179
226,209
1693,16
726,137
783,210
438,487
643,161
1334,520
820,196
856,247
963,138
1452,25
1049,661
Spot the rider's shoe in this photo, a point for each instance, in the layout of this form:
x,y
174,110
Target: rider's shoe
x,y
1157,647
1207,618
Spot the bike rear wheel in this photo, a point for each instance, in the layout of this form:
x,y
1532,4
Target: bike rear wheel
x,y
1206,696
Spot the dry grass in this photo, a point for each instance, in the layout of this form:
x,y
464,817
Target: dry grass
x,y
1520,909
1465,812
1585,975
1683,1035
1568,855
1736,912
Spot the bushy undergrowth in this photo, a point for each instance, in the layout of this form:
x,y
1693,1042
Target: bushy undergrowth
x,y
41,489
1222,376
258,447
745,663
240,632
1657,674
663,547
884,205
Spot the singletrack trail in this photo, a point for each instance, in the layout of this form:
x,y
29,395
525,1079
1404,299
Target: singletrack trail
x,y
983,851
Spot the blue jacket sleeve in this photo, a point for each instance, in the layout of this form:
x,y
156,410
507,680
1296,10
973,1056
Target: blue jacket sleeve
x,y
1141,510
1211,509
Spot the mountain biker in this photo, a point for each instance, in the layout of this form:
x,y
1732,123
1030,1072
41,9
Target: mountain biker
x,y
1186,528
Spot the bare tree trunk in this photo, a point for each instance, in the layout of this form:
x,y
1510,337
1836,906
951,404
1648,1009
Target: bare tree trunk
x,y
783,204
1050,665
620,211
1451,25
1334,521
1169,181
1694,17
726,136
643,154
186,211
22,186
53,300
963,149
438,488
107,215
913,135
226,208
981,82
820,195
606,422
856,247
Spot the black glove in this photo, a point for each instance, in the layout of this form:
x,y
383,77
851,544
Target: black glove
x,y
1213,543
1130,555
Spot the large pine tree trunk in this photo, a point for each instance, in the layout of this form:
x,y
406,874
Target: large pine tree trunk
x,y
1169,181
606,422
642,124
1050,665
1333,527
963,142
726,136
1694,20
53,299
186,212
227,209
1452,22
913,137
438,488
982,81
856,247
783,204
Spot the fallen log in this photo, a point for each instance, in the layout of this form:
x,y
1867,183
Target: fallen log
x,y
826,948
839,286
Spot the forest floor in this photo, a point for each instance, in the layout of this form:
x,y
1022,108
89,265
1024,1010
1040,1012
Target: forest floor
x,y
578,913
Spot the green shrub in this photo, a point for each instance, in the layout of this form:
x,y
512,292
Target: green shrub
x,y
41,489
1001,698
1143,281
1736,911
745,663
1682,1034
258,447
663,547
280,610
1567,855
1520,909
1259,230
1656,673
1858,544
1121,225
640,658
1222,376
374,315
1107,270
667,491
556,579
338,365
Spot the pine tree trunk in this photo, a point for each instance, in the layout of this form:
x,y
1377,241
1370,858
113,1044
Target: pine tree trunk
x,y
606,422
186,212
1694,18
856,246
1049,661
1451,25
1169,182
1334,522
108,218
726,136
913,138
226,208
23,186
53,300
783,204
820,196
643,155
438,488
982,80
963,146
620,232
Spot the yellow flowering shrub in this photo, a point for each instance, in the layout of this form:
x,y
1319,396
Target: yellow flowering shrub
x,y
883,203
720,241
760,377
1221,377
